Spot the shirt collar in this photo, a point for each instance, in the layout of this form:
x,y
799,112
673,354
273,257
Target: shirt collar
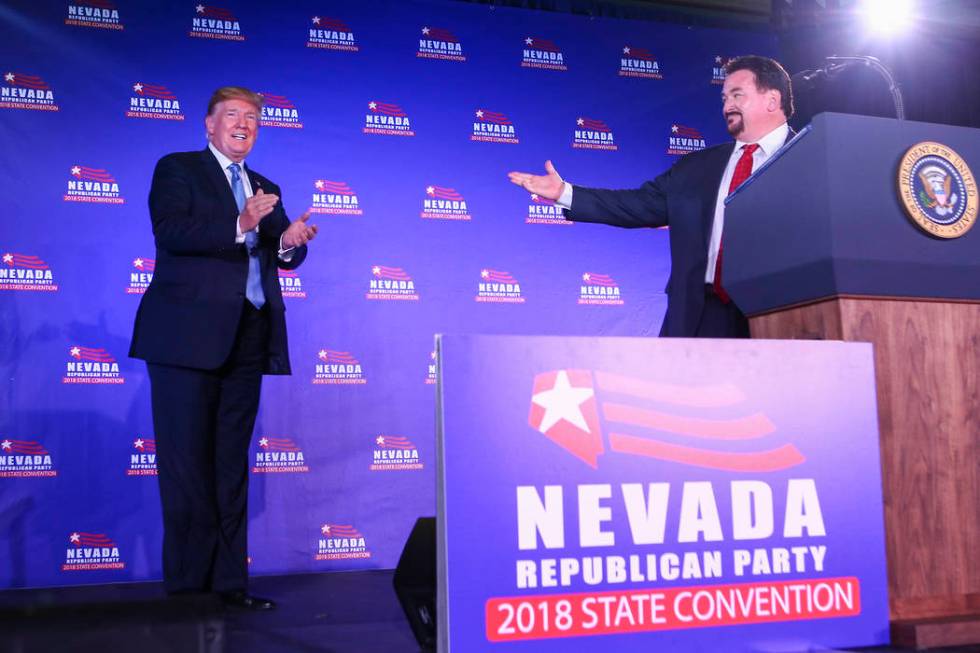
x,y
223,161
770,142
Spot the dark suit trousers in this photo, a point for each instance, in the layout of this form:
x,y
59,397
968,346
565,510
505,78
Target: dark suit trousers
x,y
720,319
203,422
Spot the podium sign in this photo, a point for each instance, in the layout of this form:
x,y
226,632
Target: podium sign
x,y
694,495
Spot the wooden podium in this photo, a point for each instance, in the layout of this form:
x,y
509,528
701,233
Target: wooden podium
x,y
818,245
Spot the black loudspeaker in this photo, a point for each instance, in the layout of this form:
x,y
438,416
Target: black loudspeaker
x,y
415,581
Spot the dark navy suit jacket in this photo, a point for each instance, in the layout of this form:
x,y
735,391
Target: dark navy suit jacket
x,y
190,313
683,198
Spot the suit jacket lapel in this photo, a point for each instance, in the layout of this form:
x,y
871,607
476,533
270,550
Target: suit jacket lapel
x,y
218,180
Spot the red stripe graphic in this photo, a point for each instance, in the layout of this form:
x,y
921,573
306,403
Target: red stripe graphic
x,y
340,530
763,461
542,44
278,101
386,108
25,261
334,187
753,426
145,264
437,34
709,396
278,444
91,539
154,91
288,273
330,356
385,272
89,354
217,12
638,53
589,123
537,199
493,117
396,442
92,174
27,81
28,447
689,132
145,445
497,275
596,279
443,193
331,23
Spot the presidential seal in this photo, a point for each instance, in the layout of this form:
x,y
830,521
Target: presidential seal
x,y
938,190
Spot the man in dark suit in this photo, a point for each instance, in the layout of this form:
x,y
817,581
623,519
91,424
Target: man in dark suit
x,y
757,100
211,323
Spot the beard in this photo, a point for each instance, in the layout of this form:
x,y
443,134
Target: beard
x,y
737,126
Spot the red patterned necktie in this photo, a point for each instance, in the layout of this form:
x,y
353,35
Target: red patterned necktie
x,y
742,171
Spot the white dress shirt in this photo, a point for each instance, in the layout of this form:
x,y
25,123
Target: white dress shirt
x,y
768,145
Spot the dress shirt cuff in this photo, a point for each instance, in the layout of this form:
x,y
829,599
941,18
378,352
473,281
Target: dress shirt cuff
x,y
565,199
239,236
285,255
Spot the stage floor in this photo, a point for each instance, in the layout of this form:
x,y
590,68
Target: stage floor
x,y
351,612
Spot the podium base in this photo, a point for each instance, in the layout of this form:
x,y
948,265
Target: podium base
x,y
922,634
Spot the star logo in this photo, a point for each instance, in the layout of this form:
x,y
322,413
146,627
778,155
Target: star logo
x,y
485,274
479,113
376,271
322,354
264,443
6,444
534,197
380,440
138,263
76,352
8,259
425,30
562,402
580,122
673,129
316,20
586,276
528,41
325,529
319,184
138,88
75,538
373,106
9,77
430,190
138,443
76,171
626,50
717,59
200,9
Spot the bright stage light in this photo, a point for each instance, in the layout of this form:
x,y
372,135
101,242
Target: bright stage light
x,y
886,16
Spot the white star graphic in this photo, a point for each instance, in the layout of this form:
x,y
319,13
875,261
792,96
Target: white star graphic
x,y
479,113
376,271
9,77
76,352
76,171
264,442
579,122
316,20
380,439
430,190
372,106
717,59
586,276
138,263
8,259
425,30
138,443
200,9
673,129
528,41
484,273
75,537
325,529
432,355
319,184
626,50
138,87
7,444
534,197
563,402
322,354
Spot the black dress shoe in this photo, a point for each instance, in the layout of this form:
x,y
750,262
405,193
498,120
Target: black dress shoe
x,y
246,601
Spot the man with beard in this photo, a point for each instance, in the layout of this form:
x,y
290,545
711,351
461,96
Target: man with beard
x,y
757,101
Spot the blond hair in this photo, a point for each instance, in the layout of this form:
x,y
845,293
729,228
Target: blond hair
x,y
234,93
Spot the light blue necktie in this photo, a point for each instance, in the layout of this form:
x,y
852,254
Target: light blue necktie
x,y
253,286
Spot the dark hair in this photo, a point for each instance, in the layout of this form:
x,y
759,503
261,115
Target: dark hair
x,y
769,76
234,93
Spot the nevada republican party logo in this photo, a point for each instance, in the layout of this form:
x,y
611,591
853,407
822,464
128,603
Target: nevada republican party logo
x,y
493,127
96,185
215,23
279,111
684,140
26,272
444,203
21,91
498,287
386,119
437,43
391,283
143,457
279,456
592,134
25,459
599,290
341,542
328,33
638,62
154,101
140,275
335,198
543,54
291,284
541,210
394,453
91,365
718,69
102,14
337,368
711,427
91,552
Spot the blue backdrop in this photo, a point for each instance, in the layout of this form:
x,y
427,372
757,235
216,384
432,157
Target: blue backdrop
x,y
397,122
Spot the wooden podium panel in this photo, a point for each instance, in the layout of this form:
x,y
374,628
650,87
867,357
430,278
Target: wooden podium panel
x,y
927,370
